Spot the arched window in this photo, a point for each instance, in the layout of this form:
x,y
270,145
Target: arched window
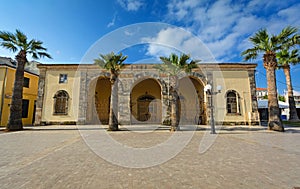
x,y
61,99
232,102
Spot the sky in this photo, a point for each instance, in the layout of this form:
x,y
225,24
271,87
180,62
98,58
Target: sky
x,y
147,29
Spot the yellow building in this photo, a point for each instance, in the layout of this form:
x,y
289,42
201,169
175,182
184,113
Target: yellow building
x,y
30,90
80,94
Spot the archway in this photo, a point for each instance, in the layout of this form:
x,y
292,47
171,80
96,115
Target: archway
x,y
102,99
191,105
145,102
99,95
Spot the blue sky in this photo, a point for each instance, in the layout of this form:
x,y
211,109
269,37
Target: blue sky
x,y
69,28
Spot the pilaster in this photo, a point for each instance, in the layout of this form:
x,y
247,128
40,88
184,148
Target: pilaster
x,y
254,117
40,98
82,97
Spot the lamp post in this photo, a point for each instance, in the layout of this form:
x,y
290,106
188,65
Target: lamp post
x,y
209,90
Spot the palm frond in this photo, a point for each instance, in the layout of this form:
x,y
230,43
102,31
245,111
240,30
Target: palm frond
x,y
288,37
44,54
8,41
21,39
34,55
251,54
173,64
18,41
286,57
112,62
9,46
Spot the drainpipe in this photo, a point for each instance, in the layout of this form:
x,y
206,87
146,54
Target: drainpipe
x,y
3,94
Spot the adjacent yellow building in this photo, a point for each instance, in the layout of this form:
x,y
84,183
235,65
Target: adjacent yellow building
x,y
30,90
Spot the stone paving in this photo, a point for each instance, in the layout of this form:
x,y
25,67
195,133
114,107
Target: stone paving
x,y
239,157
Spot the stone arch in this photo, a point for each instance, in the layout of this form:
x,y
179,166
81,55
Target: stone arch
x,y
146,102
98,103
192,107
148,75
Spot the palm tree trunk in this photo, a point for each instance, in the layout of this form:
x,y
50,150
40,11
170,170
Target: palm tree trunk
x,y
292,106
174,104
273,107
113,109
15,118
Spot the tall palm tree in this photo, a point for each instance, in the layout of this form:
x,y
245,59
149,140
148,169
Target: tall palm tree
x,y
285,59
113,63
174,65
18,42
268,45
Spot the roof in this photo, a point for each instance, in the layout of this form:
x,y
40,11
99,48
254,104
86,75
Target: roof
x,y
29,68
7,61
207,66
296,93
264,104
261,89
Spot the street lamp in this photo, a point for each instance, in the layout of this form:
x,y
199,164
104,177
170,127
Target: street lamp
x,y
209,91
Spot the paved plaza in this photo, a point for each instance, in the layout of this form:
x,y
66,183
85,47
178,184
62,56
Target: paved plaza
x,y
64,157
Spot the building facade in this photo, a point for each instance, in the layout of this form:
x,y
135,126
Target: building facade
x,y
297,103
261,93
80,94
30,88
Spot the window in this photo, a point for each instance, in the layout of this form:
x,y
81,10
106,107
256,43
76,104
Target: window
x,y
25,106
232,101
63,78
61,99
26,82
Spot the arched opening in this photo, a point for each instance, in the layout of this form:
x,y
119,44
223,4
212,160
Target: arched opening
x,y
233,102
102,99
145,102
191,105
99,90
61,99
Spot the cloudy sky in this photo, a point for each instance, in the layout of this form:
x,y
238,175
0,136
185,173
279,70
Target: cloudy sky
x,y
71,28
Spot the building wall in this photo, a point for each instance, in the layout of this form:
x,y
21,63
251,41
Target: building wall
x,y
52,86
236,81
2,89
29,93
82,83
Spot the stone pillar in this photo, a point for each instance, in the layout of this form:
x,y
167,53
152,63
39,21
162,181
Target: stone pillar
x,y
40,97
207,104
82,97
254,115
124,101
165,101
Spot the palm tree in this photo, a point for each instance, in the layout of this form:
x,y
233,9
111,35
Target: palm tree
x,y
285,59
174,65
113,63
18,42
268,45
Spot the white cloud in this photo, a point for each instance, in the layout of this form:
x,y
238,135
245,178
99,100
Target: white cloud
x,y
226,25
177,40
112,23
290,14
131,5
221,48
248,24
179,9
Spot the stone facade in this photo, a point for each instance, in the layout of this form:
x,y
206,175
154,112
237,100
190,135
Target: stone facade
x,y
82,87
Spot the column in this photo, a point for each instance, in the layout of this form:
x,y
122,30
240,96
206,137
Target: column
x,y
254,113
82,97
40,97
